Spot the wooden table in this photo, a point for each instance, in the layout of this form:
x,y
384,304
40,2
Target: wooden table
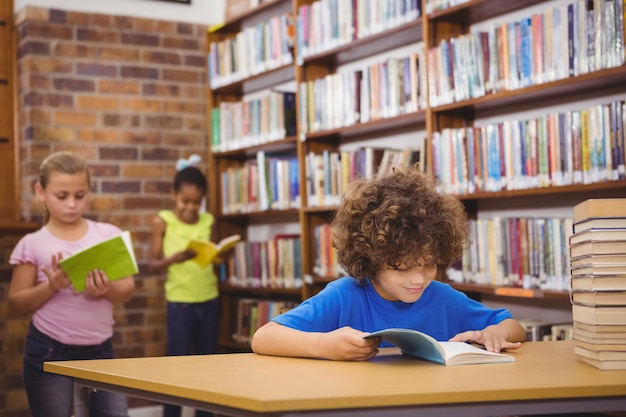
x,y
546,377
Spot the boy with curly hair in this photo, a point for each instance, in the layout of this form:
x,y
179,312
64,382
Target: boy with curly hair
x,y
393,235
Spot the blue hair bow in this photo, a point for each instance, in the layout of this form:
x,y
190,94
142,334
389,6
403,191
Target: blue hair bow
x,y
189,162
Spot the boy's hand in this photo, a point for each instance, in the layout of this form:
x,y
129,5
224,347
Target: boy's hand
x,y
490,338
97,283
348,344
57,278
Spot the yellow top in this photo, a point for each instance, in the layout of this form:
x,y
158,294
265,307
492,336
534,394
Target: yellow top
x,y
187,282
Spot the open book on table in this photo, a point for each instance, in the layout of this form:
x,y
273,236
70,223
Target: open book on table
x,y
423,346
206,252
115,256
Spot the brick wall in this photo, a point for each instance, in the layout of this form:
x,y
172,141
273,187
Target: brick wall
x,y
130,95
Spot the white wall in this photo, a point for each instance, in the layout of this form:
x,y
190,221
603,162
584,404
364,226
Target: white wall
x,y
207,12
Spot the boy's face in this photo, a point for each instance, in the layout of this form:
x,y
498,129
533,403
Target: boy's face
x,y
404,284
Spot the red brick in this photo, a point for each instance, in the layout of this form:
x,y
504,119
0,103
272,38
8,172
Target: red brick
x,y
140,104
142,137
44,65
170,90
158,57
184,107
78,18
63,134
182,43
181,75
143,170
121,120
185,139
99,19
98,135
144,24
140,39
73,84
46,31
74,50
97,35
75,118
95,102
118,154
119,54
139,72
118,87
98,70
163,26
164,122
123,22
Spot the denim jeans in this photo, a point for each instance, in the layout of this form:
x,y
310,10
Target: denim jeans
x,y
51,395
192,328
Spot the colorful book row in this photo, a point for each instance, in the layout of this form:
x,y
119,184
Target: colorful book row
x,y
269,264
386,89
327,24
576,147
265,183
253,121
519,252
253,313
329,174
563,41
256,49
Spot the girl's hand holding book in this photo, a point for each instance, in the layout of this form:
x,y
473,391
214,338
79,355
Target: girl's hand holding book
x,y
57,278
97,283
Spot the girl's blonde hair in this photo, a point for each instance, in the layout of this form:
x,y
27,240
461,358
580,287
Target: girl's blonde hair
x,y
64,162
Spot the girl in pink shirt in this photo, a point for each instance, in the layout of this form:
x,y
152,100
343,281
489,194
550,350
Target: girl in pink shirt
x,y
65,325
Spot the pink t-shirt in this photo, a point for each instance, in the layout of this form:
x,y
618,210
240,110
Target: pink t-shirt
x,y
68,317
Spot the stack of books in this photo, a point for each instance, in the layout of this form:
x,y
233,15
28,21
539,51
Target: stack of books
x,y
598,282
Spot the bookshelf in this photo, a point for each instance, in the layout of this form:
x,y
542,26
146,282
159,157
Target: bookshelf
x,y
8,148
326,129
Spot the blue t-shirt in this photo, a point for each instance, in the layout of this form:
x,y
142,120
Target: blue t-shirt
x,y
441,311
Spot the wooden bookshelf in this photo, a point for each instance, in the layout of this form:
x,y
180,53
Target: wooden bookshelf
x,y
428,30
8,146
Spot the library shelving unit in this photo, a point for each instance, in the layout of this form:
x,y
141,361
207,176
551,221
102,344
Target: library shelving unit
x,y
443,110
8,179
573,85
254,79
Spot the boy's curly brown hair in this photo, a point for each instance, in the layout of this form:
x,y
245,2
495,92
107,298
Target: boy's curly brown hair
x,y
397,220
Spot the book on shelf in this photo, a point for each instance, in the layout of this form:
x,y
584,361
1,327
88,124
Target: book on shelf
x,y
600,298
600,347
600,330
604,315
599,260
600,223
600,338
422,346
600,208
115,256
604,365
207,252
599,283
596,248
592,268
598,235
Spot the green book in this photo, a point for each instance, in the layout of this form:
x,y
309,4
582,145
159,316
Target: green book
x,y
115,256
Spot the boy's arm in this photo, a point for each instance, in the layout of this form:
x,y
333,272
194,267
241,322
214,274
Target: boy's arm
x,y
342,344
508,334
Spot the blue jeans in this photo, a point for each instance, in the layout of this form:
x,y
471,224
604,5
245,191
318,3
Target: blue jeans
x,y
192,328
51,395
